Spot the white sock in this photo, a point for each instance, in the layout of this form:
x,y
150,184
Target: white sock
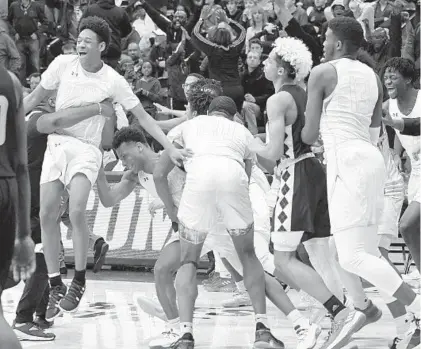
x,y
361,304
262,318
53,275
186,327
415,306
297,319
402,324
174,325
240,286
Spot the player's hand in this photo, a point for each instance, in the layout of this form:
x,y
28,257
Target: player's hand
x,y
162,109
23,262
249,98
155,205
107,108
178,156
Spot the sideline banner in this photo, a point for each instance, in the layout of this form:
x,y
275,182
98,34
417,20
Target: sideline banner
x,y
135,237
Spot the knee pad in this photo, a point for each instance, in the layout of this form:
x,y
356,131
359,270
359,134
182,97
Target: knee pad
x,y
189,262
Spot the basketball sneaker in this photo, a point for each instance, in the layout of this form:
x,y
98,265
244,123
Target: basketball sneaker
x,y
101,249
307,335
71,300
265,339
239,299
219,284
372,314
344,325
151,307
186,341
166,340
42,323
410,340
29,331
56,295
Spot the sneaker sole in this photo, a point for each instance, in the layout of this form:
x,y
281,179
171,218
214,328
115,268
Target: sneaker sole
x,y
55,316
317,332
344,340
150,307
101,260
265,345
23,337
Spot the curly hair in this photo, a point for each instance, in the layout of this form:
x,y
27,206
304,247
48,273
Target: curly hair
x,y
349,31
127,135
403,66
294,56
99,26
202,93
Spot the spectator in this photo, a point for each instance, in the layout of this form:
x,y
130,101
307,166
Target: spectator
x,y
297,12
143,23
9,54
258,23
223,51
363,13
411,49
158,54
24,15
382,12
134,53
69,48
257,90
233,11
52,11
316,14
119,23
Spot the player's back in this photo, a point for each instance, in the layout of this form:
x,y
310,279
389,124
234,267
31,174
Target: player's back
x,y
216,137
348,111
8,110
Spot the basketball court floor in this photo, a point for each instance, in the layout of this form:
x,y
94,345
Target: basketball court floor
x,y
110,318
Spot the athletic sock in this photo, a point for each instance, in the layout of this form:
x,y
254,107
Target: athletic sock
x,y
361,304
174,325
263,319
297,319
240,286
80,276
55,280
334,306
402,325
186,327
415,306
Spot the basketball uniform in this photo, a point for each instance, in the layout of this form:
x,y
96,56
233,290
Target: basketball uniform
x,y
412,146
355,167
8,183
393,195
301,205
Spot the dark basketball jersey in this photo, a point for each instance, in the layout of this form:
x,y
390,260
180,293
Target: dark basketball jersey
x,y
8,110
293,145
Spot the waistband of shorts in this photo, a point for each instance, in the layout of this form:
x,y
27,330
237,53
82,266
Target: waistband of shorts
x,y
284,164
58,136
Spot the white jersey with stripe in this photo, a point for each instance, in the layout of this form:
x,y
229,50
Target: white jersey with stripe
x,y
347,112
77,88
394,185
410,143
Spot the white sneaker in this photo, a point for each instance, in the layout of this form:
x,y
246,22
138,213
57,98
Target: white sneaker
x,y
412,276
166,340
345,324
240,299
151,307
307,336
410,340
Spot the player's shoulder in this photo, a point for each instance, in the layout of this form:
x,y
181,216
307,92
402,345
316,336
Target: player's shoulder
x,y
279,100
66,59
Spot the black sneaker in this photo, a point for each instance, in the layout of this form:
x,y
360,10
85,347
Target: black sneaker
x,y
101,249
71,301
265,339
42,323
56,295
186,341
29,331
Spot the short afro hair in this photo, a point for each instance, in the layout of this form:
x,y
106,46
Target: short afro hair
x,y
202,93
128,135
349,31
99,26
403,66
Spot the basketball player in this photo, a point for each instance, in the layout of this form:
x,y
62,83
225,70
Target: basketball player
x,y
72,158
16,246
404,101
217,184
302,199
345,102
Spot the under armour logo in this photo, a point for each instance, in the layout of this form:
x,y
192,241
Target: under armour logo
x,y
73,73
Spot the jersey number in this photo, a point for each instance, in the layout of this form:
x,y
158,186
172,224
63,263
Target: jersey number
x,y
4,106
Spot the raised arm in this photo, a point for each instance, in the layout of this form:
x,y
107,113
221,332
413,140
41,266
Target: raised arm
x,y
112,195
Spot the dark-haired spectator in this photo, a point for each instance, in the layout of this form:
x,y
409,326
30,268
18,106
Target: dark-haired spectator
x,y
233,11
9,54
24,15
119,23
69,48
411,48
382,12
316,14
297,12
159,54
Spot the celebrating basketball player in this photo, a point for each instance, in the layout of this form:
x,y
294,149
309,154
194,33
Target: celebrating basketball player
x,y
73,157
345,103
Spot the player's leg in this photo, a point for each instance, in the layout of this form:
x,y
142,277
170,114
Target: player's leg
x,y
409,227
100,248
8,194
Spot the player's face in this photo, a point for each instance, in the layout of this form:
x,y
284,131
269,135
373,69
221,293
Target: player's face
x,y
130,154
271,67
329,46
395,83
89,46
